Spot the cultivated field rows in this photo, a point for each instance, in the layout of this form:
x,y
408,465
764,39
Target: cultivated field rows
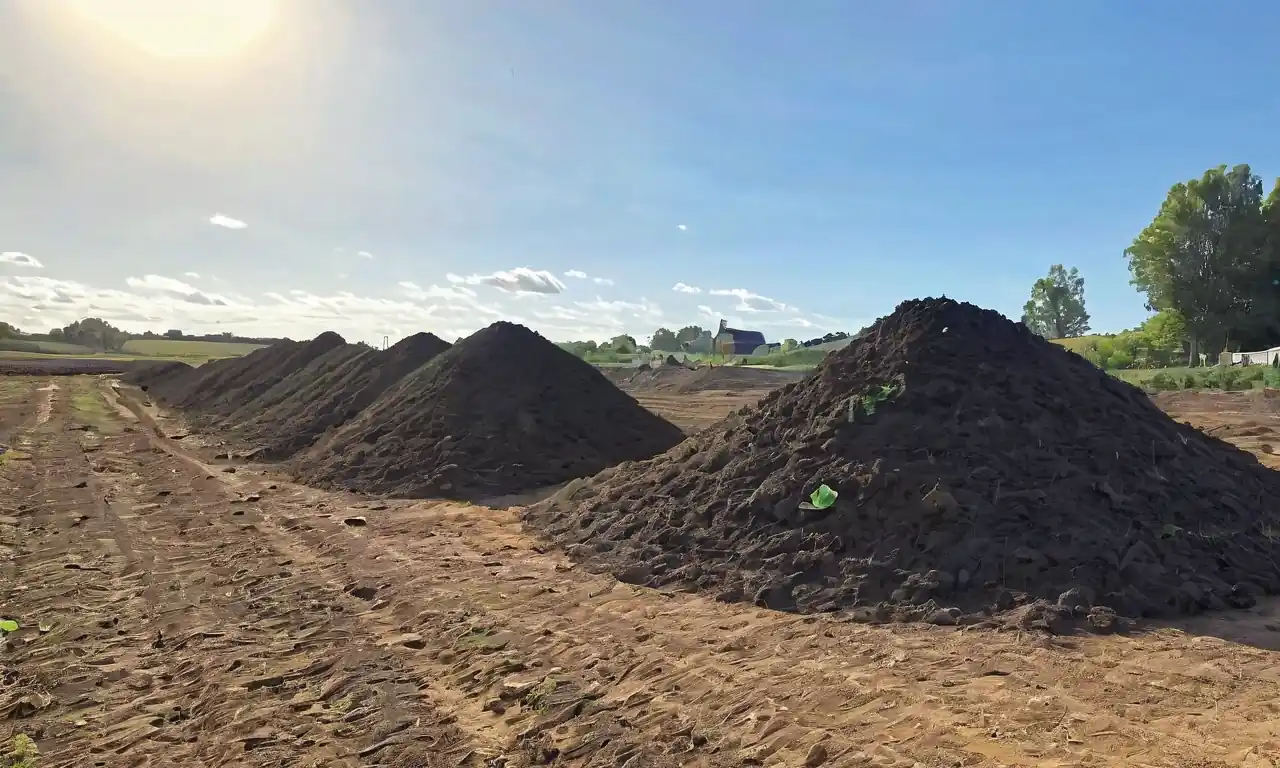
x,y
179,614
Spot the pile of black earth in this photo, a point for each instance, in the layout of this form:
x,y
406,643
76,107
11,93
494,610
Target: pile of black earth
x,y
984,475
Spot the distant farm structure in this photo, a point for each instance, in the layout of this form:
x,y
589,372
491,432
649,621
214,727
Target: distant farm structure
x,y
734,341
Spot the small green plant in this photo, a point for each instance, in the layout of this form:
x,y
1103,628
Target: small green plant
x,y
22,752
8,625
1162,382
537,698
869,401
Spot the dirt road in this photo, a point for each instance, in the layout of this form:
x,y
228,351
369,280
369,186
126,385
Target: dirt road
x,y
201,617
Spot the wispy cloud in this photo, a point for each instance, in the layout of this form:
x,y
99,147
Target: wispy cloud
x,y
578,274
20,260
518,280
707,312
168,286
192,275
751,302
364,254
685,288
221,220
682,227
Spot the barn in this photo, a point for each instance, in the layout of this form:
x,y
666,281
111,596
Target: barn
x,y
734,341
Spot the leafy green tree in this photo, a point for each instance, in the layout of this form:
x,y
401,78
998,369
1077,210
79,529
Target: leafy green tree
x,y
95,333
1205,255
1165,330
689,333
664,341
624,344
790,344
8,331
1056,307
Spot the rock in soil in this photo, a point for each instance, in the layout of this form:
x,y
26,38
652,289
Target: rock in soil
x,y
503,411
980,470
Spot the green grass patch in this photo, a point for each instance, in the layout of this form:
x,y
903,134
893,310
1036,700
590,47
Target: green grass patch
x,y
11,456
797,359
91,407
21,753
1228,378
43,347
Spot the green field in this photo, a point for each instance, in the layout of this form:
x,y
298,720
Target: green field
x,y
193,352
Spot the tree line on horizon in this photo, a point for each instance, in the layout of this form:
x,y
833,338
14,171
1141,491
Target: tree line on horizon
x,y
99,335
1208,266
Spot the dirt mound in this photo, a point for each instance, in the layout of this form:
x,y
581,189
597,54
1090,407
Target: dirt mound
x,y
190,388
684,380
287,388
503,411
328,399
672,362
980,469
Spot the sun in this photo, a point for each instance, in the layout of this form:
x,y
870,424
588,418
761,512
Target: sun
x,y
181,28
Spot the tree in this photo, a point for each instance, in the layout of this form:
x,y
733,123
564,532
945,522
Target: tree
x,y
1206,256
1165,330
1056,307
664,341
173,333
790,344
94,333
624,344
8,331
689,333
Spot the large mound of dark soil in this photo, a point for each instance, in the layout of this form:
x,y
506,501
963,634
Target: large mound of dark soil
x,y
344,382
979,469
220,388
503,411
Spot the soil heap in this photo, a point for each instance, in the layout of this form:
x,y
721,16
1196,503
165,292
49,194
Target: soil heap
x,y
979,469
503,411
352,379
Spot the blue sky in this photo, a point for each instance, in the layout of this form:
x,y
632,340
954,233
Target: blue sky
x,y
804,165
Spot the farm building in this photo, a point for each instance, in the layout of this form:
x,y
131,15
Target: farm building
x,y
732,341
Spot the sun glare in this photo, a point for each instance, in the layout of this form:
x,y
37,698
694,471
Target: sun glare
x,y
181,28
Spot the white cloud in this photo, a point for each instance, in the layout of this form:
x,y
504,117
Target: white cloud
x,y
20,260
192,275
682,227
167,286
707,312
220,220
752,302
578,274
518,280
683,288
643,309
364,254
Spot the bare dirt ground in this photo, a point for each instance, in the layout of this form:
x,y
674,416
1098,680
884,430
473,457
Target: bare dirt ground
x,y
178,614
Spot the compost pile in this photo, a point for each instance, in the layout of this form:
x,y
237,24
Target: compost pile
x,y
981,472
503,411
331,391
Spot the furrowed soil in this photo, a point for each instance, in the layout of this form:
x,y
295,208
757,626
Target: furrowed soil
x,y
174,614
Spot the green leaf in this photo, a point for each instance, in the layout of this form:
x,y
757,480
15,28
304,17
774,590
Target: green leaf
x,y
822,497
8,625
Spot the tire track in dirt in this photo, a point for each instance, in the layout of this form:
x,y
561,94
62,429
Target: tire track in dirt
x,y
528,652
220,652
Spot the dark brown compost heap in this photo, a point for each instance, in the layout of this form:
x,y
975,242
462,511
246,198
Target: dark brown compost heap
x,y
979,469
352,378
504,411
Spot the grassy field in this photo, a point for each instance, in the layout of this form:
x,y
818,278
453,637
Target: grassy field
x,y
193,352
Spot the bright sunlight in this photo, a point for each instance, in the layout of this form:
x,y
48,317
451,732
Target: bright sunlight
x,y
181,28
